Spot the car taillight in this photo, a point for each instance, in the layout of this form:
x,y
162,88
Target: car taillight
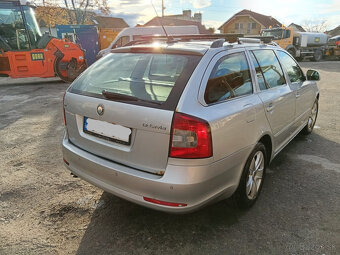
x,y
190,137
64,115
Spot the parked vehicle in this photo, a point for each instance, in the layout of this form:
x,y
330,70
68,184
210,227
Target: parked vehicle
x,y
179,125
25,52
299,44
333,47
136,33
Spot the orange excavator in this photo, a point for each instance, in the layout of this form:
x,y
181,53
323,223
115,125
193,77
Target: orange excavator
x,y
25,52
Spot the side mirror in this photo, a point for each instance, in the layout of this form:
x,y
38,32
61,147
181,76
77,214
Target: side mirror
x,y
313,75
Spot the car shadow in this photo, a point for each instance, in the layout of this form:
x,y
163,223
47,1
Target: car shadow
x,y
30,82
119,224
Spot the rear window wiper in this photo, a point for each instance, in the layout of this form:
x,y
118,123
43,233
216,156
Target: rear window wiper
x,y
121,97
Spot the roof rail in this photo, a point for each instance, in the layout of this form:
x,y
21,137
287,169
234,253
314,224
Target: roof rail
x,y
219,39
248,40
227,37
217,43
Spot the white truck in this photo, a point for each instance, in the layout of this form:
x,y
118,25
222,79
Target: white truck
x,y
135,33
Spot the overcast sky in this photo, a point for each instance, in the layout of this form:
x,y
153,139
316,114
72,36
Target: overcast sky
x,y
216,12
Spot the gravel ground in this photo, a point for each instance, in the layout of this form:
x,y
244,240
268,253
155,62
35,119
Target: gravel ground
x,y
44,210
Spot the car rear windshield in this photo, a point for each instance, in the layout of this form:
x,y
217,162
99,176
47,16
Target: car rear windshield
x,y
150,79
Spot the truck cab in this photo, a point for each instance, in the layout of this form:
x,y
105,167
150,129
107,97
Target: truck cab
x,y
283,36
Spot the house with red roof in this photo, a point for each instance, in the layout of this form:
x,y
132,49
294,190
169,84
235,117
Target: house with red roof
x,y
248,23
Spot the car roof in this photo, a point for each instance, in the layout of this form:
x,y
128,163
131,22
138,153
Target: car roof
x,y
195,47
190,48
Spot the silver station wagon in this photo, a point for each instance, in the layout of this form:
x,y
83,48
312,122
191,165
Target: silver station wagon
x,y
174,125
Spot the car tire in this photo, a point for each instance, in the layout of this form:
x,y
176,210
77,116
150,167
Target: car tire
x,y
252,178
311,118
317,56
292,52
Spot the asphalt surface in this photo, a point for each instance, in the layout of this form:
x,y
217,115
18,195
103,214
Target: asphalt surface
x,y
44,210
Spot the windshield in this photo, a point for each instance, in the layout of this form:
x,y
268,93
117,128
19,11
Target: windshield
x,y
144,77
32,26
276,33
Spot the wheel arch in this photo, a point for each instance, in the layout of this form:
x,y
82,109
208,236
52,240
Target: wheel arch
x,y
266,140
291,47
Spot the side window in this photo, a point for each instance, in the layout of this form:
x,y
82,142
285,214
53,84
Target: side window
x,y
294,71
229,78
125,40
286,34
137,37
270,67
121,42
260,78
117,44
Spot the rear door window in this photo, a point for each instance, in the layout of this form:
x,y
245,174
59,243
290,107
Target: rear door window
x,y
229,78
147,77
270,67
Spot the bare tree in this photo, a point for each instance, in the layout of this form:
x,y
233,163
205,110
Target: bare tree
x,y
315,25
78,11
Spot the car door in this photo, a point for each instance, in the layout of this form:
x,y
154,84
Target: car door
x,y
277,97
304,93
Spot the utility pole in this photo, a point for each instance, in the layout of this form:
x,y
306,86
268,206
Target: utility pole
x,y
163,8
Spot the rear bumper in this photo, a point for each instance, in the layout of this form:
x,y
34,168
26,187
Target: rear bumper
x,y
191,185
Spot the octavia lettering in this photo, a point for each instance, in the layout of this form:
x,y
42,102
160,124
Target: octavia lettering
x,y
148,125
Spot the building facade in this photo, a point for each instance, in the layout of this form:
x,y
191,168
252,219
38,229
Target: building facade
x,y
248,23
186,15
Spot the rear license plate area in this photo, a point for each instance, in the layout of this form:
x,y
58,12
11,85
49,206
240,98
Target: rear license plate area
x,y
107,131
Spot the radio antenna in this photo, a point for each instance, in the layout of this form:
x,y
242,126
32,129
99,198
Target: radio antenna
x,y
161,23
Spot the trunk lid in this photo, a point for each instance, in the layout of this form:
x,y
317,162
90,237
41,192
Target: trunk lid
x,y
148,148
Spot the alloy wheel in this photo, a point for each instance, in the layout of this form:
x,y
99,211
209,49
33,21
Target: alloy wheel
x,y
312,116
255,174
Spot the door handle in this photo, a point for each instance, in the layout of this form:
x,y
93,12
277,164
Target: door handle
x,y
270,107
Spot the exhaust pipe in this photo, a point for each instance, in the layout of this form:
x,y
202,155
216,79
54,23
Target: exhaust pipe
x,y
73,175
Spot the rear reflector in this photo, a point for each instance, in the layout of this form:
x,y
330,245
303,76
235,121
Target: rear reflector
x,y
190,137
66,162
155,201
64,115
